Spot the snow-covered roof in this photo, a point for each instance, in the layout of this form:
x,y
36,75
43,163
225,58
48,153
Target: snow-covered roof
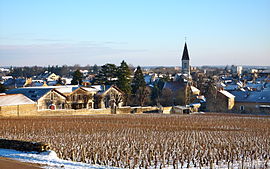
x,y
90,89
98,87
14,99
227,94
33,93
231,87
67,89
53,87
194,89
252,96
258,86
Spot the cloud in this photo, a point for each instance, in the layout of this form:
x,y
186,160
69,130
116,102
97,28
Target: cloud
x,y
50,40
60,53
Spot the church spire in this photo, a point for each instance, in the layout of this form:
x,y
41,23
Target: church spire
x,y
185,61
185,55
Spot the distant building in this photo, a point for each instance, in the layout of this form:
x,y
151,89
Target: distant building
x,y
185,61
48,76
225,100
236,69
252,101
15,83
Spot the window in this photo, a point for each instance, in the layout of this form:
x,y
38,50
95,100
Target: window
x,y
185,65
51,96
242,107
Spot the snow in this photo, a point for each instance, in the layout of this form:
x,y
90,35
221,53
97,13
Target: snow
x,y
49,159
14,99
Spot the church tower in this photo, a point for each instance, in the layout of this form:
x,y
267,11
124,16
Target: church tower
x,y
185,61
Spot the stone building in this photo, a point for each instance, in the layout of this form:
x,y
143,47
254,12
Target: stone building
x,y
252,101
16,105
225,101
111,97
45,97
81,98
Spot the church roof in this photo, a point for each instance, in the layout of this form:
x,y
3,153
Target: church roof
x,y
185,53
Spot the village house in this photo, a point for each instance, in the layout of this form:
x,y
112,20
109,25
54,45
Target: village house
x,y
72,97
224,100
252,101
48,76
15,83
81,98
45,97
16,105
110,97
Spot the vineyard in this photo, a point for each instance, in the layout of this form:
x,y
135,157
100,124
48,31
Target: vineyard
x,y
151,140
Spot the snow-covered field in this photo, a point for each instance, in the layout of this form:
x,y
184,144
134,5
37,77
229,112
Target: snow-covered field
x,y
49,159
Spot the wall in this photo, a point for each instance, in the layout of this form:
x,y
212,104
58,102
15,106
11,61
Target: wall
x,y
250,107
31,110
167,110
223,103
140,110
230,103
52,98
18,110
124,110
73,112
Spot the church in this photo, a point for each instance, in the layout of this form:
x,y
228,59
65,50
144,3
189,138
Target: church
x,y
181,86
185,73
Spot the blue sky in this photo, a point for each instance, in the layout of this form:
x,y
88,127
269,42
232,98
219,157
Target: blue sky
x,y
141,32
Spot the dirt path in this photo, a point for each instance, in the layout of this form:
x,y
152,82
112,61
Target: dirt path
x,y
6,163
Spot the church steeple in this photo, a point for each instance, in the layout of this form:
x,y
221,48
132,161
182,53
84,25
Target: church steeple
x,y
185,61
185,55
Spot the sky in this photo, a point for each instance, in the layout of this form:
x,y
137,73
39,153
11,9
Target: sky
x,y
146,33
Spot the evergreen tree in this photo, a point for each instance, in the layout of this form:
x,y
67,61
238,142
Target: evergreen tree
x,y
138,80
107,75
123,75
2,88
77,77
157,90
95,69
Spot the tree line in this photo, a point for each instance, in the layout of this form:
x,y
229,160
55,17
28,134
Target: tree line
x,y
137,93
64,70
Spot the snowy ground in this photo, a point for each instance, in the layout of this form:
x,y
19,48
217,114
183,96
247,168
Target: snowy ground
x,y
49,159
